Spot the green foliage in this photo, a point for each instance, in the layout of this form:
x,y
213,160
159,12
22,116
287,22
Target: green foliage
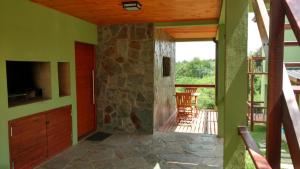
x,y
257,88
196,68
248,162
198,72
259,135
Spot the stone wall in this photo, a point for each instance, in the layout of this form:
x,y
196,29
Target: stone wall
x,y
164,89
124,78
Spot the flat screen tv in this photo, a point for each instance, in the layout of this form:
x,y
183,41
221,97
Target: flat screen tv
x,y
27,81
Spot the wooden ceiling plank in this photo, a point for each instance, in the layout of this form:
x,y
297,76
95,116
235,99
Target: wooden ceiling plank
x,y
193,32
111,12
192,39
211,22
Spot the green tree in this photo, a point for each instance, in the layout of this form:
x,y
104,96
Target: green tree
x,y
196,68
198,72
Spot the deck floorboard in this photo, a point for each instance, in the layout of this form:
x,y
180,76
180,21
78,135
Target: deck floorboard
x,y
205,123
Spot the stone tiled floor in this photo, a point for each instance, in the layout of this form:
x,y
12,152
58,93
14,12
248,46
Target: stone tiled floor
x,y
157,151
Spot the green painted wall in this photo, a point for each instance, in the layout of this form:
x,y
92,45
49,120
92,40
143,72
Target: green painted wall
x,y
291,53
30,32
221,73
236,25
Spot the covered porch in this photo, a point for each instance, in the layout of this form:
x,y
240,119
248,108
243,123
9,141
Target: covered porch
x,y
173,146
131,84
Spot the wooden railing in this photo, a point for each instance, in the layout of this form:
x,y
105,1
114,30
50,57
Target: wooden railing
x,y
292,11
296,90
252,114
291,112
196,85
259,160
282,104
292,64
262,19
263,22
291,119
294,80
253,106
291,43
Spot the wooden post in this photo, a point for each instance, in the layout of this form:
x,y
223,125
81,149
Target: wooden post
x,y
276,47
216,72
252,100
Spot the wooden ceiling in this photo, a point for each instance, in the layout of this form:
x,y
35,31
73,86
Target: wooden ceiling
x,y
111,11
195,32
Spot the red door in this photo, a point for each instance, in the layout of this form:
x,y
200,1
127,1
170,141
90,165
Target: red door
x,y
85,63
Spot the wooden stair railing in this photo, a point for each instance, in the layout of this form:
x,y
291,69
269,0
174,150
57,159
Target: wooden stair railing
x,y
259,160
263,22
287,26
291,112
290,109
292,10
291,43
252,73
196,85
291,119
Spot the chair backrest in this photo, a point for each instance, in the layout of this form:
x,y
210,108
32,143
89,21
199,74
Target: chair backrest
x,y
191,89
184,99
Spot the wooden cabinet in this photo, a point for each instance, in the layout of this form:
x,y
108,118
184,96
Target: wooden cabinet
x,y
28,144
35,138
58,130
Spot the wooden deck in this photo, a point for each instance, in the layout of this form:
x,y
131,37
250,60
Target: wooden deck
x,y
259,118
205,123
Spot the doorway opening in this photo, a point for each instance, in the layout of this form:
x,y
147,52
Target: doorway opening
x,y
195,65
195,79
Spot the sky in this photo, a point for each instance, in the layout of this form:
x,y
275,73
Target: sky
x,y
206,50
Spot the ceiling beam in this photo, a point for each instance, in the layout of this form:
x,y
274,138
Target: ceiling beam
x,y
186,24
193,39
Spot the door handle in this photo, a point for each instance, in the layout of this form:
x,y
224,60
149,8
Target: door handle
x,y
93,82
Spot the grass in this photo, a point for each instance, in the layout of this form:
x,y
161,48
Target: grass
x,y
259,135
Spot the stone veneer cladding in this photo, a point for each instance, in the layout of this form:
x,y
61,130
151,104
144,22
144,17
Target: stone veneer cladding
x,y
131,93
164,89
124,78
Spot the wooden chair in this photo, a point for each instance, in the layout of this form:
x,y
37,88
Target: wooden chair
x,y
185,109
191,89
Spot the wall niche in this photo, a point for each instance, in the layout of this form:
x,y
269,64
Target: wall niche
x,y
64,79
27,82
166,66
